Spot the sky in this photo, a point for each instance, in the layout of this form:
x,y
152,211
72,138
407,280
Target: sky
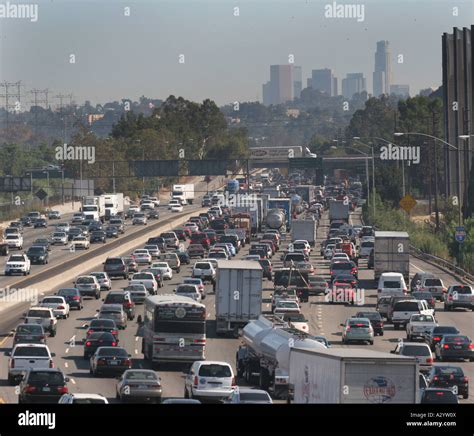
x,y
226,57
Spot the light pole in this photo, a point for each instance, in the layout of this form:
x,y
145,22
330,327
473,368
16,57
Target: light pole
x,y
47,197
357,138
459,163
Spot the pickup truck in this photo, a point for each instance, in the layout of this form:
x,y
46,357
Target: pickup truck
x,y
404,309
28,356
43,316
420,325
18,263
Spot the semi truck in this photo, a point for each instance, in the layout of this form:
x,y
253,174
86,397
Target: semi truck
x,y
276,220
304,229
352,376
114,204
255,219
184,193
339,210
281,203
265,353
93,208
238,294
392,254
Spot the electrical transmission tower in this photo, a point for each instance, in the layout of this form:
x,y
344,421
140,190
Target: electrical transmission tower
x,y
12,98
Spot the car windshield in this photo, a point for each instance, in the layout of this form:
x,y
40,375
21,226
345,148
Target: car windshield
x,y
406,306
143,276
416,350
202,266
49,377
370,315
54,300
31,352
102,323
215,370
113,261
445,329
141,375
253,396
17,258
462,289
112,352
67,292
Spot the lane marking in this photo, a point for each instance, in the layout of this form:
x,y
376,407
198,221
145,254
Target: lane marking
x,y
67,350
136,351
414,266
66,364
5,338
137,338
73,381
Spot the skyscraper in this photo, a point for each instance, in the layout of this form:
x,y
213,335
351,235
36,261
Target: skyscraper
x,y
297,81
354,83
402,90
382,71
285,84
324,80
267,94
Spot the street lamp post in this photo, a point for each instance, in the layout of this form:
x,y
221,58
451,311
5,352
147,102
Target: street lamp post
x,y
47,197
357,138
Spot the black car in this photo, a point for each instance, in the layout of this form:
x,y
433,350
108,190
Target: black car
x,y
111,232
435,336
73,232
40,222
375,321
183,257
98,236
116,267
117,222
267,268
95,226
72,296
26,221
102,325
29,334
158,240
46,385
438,396
96,340
452,347
16,225
154,215
110,360
43,242
38,254
444,376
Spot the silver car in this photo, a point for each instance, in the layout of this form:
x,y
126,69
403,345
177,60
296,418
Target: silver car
x,y
139,384
114,312
139,218
103,279
357,330
459,296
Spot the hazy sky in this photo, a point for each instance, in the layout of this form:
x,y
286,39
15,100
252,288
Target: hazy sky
x,y
227,57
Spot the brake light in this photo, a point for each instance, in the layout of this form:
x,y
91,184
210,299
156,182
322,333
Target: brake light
x,y
114,332
29,389
471,346
233,382
445,346
435,378
51,363
61,307
436,338
12,363
429,360
440,393
88,344
196,380
76,298
62,389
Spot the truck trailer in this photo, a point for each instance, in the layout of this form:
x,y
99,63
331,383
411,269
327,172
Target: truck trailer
x,y
304,229
339,210
185,193
392,254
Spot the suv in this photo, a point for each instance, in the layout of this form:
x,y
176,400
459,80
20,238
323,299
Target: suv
x,y
88,285
18,263
171,239
125,299
114,312
196,250
117,222
404,309
421,352
29,334
204,271
116,267
459,296
172,260
43,386
43,316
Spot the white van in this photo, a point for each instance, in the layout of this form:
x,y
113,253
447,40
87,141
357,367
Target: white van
x,y
391,285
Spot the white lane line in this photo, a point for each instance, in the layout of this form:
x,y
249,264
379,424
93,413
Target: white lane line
x,y
414,266
83,325
67,350
136,351
73,381
66,364
137,338
208,315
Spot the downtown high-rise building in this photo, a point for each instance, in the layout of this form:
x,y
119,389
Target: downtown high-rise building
x,y
400,90
354,83
382,72
324,80
285,84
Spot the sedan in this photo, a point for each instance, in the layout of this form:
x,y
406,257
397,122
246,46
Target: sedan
x,y
72,296
142,256
450,377
176,208
98,236
29,334
110,360
43,242
40,222
166,271
242,395
139,384
102,325
111,232
453,347
57,304
103,279
359,330
80,242
59,238
96,340
139,219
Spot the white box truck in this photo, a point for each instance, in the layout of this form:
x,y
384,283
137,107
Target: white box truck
x,y
185,193
392,254
304,229
338,210
238,294
352,376
114,204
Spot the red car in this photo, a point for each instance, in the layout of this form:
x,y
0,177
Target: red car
x,y
341,293
201,238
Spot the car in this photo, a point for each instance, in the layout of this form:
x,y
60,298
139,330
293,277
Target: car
x,y
114,312
166,271
202,239
205,271
14,241
43,316
437,333
305,267
196,250
98,236
357,330
339,257
102,325
109,360
365,248
60,238
191,291
297,321
26,221
153,249
58,304
29,334
286,306
78,218
209,380
40,223
26,356
317,285
328,251
18,263
132,210
111,232
138,293
375,321
139,384
438,396
157,274
176,208
173,202
343,267
125,299
459,296
449,377
88,286
98,339
153,214
340,292
74,232
243,395
118,267
80,242
218,254
77,398
130,264
192,226
421,352
181,234
452,347
158,241
63,227
146,205
426,281
104,280
139,218
393,300
118,223
95,226
38,254
419,326
427,296
171,239
403,309
198,282
72,296
45,385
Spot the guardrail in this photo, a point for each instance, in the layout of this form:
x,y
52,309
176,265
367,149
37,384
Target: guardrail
x,y
438,261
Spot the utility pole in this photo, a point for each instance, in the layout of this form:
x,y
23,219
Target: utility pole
x,y
8,95
37,101
433,126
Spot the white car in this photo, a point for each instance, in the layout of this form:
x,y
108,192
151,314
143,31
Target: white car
x,y
166,271
28,356
211,380
297,321
133,209
340,256
155,200
303,241
192,226
153,250
176,208
14,241
174,203
216,209
82,399
204,270
146,279
80,242
58,304
139,218
420,325
142,256
59,238
18,263
103,279
329,251
420,351
188,290
63,227
146,205
286,306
